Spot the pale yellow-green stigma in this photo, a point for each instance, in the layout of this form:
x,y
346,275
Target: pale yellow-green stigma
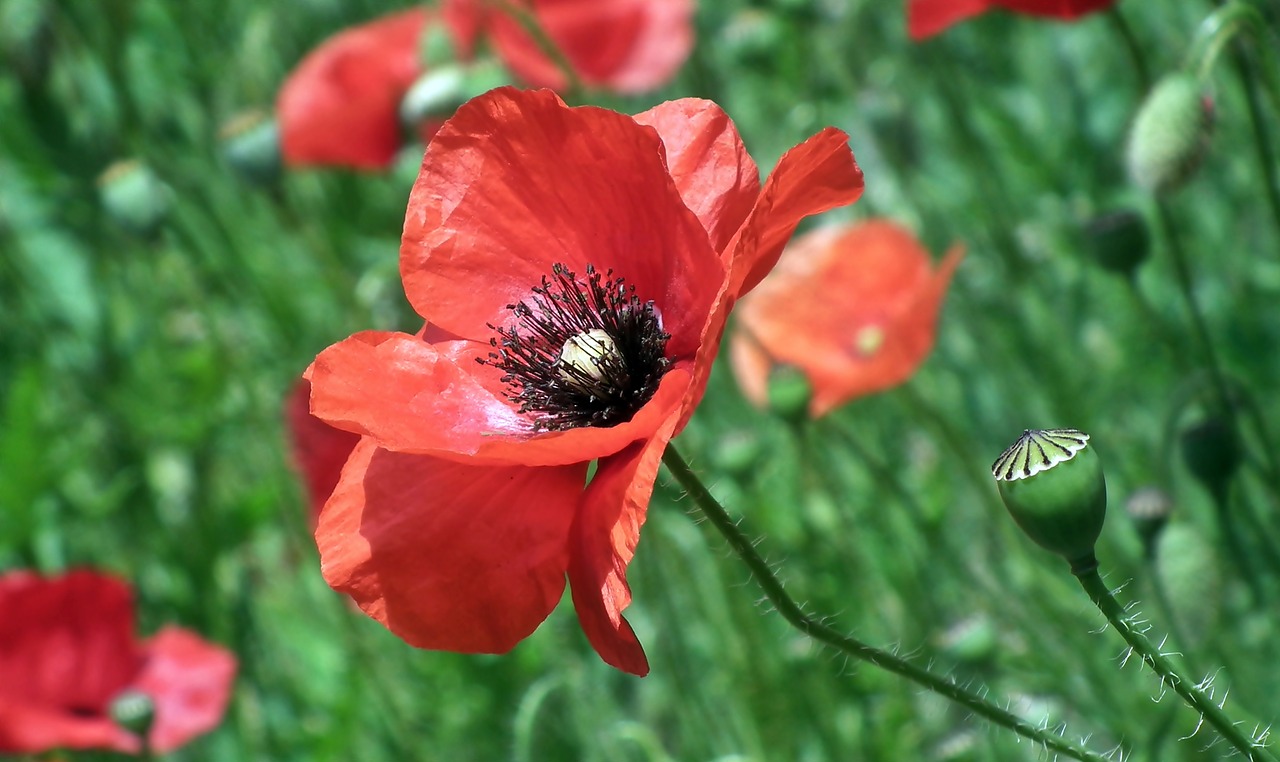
x,y
1052,483
868,340
585,358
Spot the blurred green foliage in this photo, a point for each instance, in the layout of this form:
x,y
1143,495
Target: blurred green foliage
x,y
142,373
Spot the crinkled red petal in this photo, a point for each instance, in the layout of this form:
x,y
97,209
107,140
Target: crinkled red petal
x,y
516,182
715,175
449,556
421,398
604,539
926,18
317,449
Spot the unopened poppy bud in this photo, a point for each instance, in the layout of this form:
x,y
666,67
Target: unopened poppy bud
x,y
133,196
1149,508
436,94
1170,134
1052,483
1211,451
1119,241
789,392
251,146
737,452
1190,572
134,711
585,358
970,641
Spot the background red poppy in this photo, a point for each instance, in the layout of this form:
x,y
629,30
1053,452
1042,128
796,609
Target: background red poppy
x,y
926,18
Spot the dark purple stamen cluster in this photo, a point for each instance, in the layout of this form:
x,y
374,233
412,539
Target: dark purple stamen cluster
x,y
559,395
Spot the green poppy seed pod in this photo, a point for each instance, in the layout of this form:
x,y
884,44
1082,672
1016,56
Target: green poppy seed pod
x,y
789,392
250,144
1170,134
737,452
134,197
1211,451
134,711
1149,508
1188,568
1119,241
1052,483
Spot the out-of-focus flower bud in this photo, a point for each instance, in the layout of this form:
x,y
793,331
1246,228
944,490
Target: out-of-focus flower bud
x,y
1190,572
1211,450
251,145
1052,483
134,197
134,711
1119,241
1170,134
439,92
970,641
737,452
1149,508
789,392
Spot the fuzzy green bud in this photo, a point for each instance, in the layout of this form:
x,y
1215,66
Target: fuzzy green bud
x,y
1211,451
250,144
1052,483
1170,134
134,197
1119,241
789,392
1149,508
134,711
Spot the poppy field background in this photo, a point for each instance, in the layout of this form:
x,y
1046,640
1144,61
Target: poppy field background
x,y
147,353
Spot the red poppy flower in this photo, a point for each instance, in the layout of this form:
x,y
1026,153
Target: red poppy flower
x,y
853,307
576,267
68,649
319,450
926,18
341,105
622,45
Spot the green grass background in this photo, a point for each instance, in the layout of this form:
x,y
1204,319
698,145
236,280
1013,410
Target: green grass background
x,y
142,378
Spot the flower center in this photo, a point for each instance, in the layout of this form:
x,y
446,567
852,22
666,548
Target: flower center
x,y
580,352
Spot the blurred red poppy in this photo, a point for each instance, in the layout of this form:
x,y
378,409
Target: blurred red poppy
x,y
318,450
341,105
577,266
853,307
68,650
926,18
622,45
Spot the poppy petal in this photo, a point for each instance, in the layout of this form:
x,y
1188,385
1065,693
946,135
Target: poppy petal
x,y
449,556
66,649
716,176
604,539
1062,9
420,398
189,682
854,307
817,175
341,105
628,46
926,18
318,450
516,182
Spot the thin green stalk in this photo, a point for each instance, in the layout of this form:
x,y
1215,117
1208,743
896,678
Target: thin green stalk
x,y
792,613
1261,137
1121,25
526,18
1198,324
1168,673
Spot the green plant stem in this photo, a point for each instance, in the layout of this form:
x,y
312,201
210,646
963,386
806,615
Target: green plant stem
x,y
1121,25
1201,329
1164,668
528,20
1261,138
792,613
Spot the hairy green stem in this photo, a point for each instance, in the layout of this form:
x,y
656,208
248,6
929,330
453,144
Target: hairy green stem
x,y
812,627
1131,46
1168,673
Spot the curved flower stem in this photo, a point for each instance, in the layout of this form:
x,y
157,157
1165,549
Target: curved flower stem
x,y
791,611
526,18
1198,324
1169,675
1131,46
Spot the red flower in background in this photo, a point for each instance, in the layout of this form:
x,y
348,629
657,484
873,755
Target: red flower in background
x,y
68,649
576,267
341,105
626,46
926,18
853,307
318,450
